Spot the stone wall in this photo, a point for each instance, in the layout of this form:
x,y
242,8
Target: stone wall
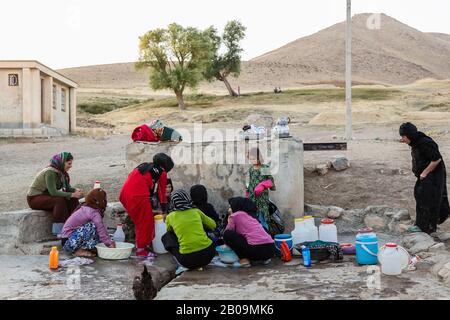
x,y
221,166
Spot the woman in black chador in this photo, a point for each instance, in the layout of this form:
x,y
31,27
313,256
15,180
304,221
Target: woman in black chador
x,y
430,191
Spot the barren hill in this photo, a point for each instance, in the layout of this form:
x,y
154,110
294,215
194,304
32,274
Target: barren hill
x,y
393,54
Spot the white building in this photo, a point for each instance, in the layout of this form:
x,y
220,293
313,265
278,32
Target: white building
x,y
35,100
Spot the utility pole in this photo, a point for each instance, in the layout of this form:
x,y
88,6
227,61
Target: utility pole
x,y
348,73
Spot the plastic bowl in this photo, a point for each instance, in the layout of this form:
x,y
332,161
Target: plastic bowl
x,y
226,255
121,252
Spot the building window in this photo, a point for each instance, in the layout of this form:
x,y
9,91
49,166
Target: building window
x,y
13,80
54,97
63,99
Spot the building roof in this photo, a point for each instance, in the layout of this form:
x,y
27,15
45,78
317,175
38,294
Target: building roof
x,y
14,64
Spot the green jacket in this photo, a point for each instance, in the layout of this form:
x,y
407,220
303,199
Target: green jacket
x,y
47,182
188,227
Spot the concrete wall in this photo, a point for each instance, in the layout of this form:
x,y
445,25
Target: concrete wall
x,y
194,164
10,100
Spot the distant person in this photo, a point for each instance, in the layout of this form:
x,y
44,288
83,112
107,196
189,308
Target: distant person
x,y
51,190
156,202
430,191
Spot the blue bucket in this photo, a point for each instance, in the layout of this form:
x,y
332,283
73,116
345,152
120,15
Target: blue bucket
x,y
366,249
279,238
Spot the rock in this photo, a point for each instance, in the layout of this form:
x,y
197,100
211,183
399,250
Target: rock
x,y
321,169
335,213
402,214
375,222
437,247
444,236
423,265
377,210
340,163
417,242
399,227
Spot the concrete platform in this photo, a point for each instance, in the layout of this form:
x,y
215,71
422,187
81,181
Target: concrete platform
x,y
28,277
292,281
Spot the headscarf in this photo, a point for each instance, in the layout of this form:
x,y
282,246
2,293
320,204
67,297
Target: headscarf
x,y
96,199
199,195
58,162
180,201
164,161
410,131
243,204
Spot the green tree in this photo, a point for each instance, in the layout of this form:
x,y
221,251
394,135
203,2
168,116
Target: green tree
x,y
176,57
228,62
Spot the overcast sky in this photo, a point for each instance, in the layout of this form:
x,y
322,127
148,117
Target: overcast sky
x,y
84,32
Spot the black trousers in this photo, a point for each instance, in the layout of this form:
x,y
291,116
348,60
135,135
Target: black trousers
x,y
191,260
432,207
239,245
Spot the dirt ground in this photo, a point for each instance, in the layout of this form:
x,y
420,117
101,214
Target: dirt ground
x,y
379,174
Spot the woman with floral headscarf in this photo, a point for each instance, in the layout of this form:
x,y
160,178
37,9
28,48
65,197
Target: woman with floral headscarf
x,y
51,189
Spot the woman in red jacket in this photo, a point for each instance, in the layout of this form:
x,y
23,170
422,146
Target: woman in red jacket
x,y
136,195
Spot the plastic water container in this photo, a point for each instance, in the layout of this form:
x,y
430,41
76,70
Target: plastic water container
x,y
119,235
97,185
328,230
306,254
366,247
279,238
160,230
313,231
391,260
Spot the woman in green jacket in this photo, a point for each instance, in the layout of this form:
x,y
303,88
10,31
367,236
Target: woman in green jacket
x,y
186,238
51,190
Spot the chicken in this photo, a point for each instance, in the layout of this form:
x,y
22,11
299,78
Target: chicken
x,y
143,286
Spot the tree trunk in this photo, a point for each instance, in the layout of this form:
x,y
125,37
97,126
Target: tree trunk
x,y
180,100
228,85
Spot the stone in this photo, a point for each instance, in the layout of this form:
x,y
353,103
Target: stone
x,y
402,214
437,247
321,169
417,242
444,236
335,213
423,265
377,210
340,163
375,222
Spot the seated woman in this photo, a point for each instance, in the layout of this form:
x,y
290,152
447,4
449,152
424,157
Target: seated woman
x,y
85,229
186,238
51,190
245,235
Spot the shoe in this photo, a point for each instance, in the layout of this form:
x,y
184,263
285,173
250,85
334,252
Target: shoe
x,y
143,253
237,264
266,262
180,270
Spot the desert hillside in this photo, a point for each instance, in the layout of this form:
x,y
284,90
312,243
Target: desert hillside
x,y
394,54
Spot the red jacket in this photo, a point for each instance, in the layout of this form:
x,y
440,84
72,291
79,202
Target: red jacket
x,y
138,186
144,133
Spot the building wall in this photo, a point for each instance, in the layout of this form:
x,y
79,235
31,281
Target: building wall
x,y
61,119
227,179
10,100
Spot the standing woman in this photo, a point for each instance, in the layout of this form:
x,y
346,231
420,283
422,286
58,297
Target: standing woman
x,y
51,190
430,190
136,195
259,182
